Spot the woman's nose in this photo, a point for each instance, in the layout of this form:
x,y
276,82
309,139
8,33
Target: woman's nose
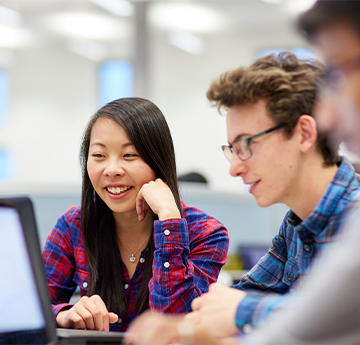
x,y
114,168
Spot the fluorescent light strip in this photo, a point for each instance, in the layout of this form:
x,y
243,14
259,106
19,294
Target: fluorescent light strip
x,y
186,16
85,25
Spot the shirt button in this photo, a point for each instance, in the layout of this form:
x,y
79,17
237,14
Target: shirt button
x,y
142,260
247,328
167,232
290,276
85,285
307,247
166,264
119,320
126,286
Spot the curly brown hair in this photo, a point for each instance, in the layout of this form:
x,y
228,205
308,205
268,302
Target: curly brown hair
x,y
288,84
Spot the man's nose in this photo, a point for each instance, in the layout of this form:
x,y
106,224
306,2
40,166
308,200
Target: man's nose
x,y
237,167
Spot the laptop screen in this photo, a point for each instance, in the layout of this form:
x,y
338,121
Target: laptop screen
x,y
19,303
25,311
25,306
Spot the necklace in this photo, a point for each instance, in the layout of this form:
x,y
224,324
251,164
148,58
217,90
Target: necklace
x,y
132,257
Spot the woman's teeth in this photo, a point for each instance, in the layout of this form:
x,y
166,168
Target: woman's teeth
x,y
117,190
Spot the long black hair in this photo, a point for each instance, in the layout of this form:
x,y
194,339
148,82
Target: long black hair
x,y
148,131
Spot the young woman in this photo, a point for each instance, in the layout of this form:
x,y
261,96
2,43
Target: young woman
x,y
132,245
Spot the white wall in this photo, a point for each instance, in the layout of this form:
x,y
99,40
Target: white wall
x,y
54,92
52,95
179,82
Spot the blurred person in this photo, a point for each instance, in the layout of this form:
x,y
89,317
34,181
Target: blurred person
x,y
276,149
132,245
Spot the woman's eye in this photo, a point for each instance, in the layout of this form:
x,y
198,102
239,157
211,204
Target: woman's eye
x,y
131,155
98,155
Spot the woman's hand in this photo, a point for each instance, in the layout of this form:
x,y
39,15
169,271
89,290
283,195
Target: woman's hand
x,y
158,196
89,313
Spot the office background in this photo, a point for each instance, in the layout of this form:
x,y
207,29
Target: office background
x,y
60,60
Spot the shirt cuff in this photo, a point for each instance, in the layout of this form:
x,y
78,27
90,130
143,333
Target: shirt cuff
x,y
56,309
255,308
245,312
171,231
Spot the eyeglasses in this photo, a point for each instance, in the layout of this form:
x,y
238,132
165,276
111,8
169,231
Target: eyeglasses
x,y
242,146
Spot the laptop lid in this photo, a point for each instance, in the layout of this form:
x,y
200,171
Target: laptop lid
x,y
25,306
26,315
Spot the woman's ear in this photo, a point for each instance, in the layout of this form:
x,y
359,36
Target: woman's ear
x,y
308,132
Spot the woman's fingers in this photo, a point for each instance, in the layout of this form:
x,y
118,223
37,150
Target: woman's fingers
x,y
90,313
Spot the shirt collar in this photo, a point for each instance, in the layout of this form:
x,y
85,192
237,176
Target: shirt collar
x,y
319,218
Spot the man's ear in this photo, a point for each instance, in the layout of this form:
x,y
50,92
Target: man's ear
x,y
308,132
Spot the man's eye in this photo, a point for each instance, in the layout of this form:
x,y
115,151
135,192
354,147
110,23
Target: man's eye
x,y
238,147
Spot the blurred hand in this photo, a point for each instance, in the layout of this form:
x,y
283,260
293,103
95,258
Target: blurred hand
x,y
158,196
89,313
151,329
216,310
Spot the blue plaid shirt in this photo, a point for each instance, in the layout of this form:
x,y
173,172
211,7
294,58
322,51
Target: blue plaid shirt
x,y
295,248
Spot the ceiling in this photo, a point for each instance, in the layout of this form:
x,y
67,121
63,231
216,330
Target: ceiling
x,y
87,25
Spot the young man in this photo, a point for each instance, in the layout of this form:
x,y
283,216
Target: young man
x,y
274,146
329,310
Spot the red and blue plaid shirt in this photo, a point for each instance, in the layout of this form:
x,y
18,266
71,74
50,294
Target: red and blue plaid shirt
x,y
189,253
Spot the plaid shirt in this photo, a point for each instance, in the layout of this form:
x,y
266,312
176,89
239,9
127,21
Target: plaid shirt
x,y
295,248
189,253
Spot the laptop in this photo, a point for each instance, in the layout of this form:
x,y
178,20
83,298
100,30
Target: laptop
x,y
25,306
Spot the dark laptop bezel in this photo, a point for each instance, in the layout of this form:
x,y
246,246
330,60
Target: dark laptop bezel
x,y
25,209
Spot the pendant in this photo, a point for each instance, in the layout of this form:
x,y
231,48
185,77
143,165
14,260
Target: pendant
x,y
132,258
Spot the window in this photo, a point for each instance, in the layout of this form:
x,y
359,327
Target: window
x,y
5,156
4,88
5,165
115,80
301,53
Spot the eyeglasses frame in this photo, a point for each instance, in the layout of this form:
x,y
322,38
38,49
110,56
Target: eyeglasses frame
x,y
248,141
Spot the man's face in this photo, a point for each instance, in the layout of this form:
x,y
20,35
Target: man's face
x,y
272,172
338,110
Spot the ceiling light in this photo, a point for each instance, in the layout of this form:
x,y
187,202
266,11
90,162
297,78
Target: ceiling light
x,y
14,37
273,1
298,6
187,42
187,17
117,7
87,25
91,50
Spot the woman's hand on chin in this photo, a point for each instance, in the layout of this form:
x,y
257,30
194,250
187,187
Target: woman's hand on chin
x,y
89,313
158,196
